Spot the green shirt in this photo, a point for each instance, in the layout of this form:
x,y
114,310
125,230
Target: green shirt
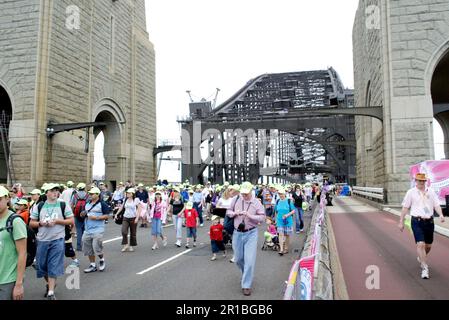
x,y
8,252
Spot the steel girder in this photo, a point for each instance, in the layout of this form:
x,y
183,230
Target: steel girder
x,y
287,102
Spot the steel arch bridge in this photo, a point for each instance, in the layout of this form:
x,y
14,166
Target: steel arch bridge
x,y
282,126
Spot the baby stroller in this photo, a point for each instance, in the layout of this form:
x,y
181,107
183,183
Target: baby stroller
x,y
273,244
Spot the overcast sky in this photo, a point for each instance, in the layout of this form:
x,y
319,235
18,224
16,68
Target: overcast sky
x,y
202,45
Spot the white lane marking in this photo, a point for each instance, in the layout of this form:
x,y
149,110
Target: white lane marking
x,y
164,262
118,238
110,240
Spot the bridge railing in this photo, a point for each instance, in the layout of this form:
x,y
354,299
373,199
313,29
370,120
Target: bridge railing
x,y
310,277
378,194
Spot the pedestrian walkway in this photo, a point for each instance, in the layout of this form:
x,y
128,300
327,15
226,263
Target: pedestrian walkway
x,y
368,239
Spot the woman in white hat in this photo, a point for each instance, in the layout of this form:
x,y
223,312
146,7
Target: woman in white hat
x,y
132,209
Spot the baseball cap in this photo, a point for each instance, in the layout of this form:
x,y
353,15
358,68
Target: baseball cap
x,y
22,201
131,190
81,186
189,205
214,217
95,190
51,186
246,187
4,192
36,191
70,184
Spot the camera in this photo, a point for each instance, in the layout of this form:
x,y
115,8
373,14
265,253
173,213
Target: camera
x,y
241,227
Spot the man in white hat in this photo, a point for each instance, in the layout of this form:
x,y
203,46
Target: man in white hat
x,y
421,201
51,220
247,212
13,252
97,212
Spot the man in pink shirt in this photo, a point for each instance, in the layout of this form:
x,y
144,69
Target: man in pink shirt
x,y
421,202
247,212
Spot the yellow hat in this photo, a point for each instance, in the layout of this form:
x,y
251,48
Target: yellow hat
x,y
81,186
214,217
22,202
281,190
70,184
95,190
189,205
36,191
51,186
421,177
131,190
235,187
246,187
4,192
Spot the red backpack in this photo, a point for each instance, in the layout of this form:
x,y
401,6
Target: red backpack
x,y
80,204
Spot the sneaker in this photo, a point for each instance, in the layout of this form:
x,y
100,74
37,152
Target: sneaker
x,y
425,273
202,225
102,265
187,245
75,263
164,242
213,258
92,268
131,249
155,246
194,244
302,230
125,248
178,244
232,260
297,232
51,297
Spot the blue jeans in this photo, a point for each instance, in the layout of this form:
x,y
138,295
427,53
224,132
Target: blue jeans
x,y
244,245
178,226
298,218
156,227
79,224
199,209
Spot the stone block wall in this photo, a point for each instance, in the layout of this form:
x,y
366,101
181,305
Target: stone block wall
x,y
109,58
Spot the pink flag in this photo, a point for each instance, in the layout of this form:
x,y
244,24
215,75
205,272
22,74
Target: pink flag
x,y
306,267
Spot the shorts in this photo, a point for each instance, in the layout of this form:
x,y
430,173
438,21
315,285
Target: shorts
x,y
50,258
93,244
423,230
6,291
285,230
217,246
191,232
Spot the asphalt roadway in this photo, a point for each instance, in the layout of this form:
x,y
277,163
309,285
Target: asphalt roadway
x,y
171,273
368,239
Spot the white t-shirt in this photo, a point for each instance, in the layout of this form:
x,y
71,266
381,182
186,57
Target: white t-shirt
x,y
421,204
222,203
66,195
131,208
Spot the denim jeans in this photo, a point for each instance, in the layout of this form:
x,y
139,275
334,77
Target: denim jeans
x,y
199,209
244,245
178,226
298,218
79,225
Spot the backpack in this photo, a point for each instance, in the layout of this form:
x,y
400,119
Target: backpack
x,y
229,222
31,238
80,204
68,229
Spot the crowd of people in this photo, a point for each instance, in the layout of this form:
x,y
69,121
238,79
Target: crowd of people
x,y
57,214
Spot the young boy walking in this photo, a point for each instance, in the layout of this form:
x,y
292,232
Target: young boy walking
x,y
192,221
216,238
